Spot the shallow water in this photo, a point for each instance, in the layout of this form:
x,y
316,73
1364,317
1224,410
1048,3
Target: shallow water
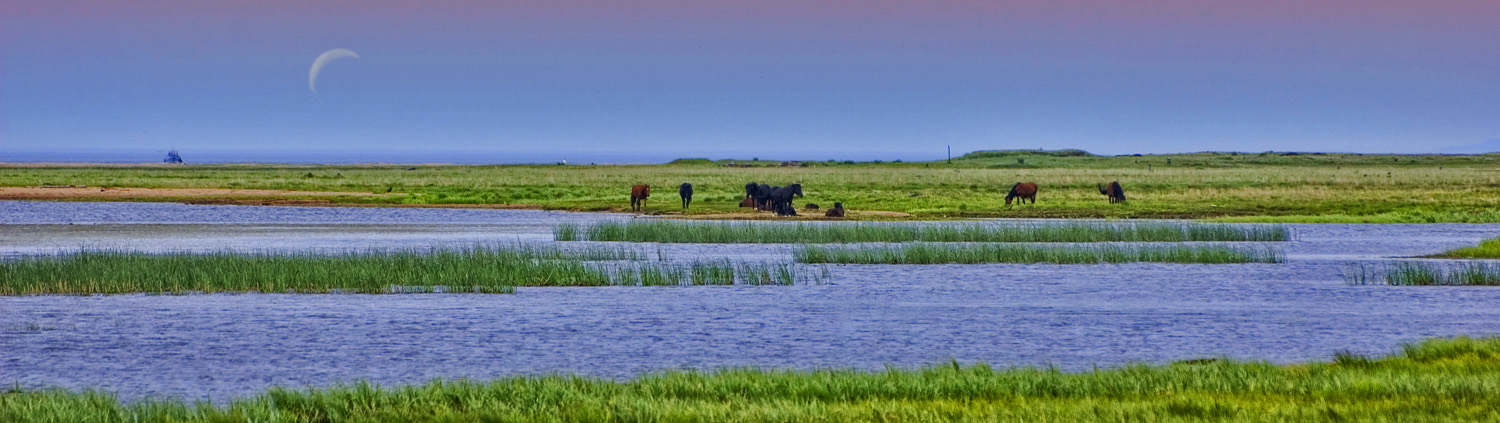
x,y
1073,316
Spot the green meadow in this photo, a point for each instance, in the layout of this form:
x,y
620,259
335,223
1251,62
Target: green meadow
x,y
1261,187
1439,380
926,253
482,270
745,233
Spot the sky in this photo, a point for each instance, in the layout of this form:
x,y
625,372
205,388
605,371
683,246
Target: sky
x,y
774,78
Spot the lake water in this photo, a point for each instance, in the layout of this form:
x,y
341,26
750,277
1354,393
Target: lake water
x,y
868,316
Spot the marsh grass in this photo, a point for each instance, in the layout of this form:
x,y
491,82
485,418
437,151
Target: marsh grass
x,y
1476,216
483,270
1439,380
927,253
802,233
724,272
1425,274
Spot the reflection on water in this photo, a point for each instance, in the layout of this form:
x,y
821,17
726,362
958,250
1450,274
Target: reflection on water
x,y
1074,316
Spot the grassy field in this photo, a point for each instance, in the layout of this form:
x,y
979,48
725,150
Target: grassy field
x,y
924,253
484,270
1441,380
1425,274
1267,187
746,233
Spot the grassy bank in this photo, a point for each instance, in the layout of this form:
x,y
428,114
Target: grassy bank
x,y
923,253
1442,380
1487,249
1425,274
485,270
728,232
1291,188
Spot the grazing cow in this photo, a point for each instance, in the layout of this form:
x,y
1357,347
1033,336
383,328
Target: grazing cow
x,y
750,189
1115,193
810,206
836,211
782,197
686,192
1025,190
747,202
638,195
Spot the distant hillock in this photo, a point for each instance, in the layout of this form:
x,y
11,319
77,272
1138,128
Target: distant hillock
x,y
1490,146
992,154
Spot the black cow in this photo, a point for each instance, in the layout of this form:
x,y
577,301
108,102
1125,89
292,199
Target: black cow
x,y
686,192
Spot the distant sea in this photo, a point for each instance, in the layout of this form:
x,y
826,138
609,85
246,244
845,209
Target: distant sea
x,y
455,157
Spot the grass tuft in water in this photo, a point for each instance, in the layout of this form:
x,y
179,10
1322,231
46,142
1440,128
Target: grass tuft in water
x,y
483,270
925,253
1425,274
801,233
1439,380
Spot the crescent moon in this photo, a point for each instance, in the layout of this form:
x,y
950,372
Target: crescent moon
x,y
323,59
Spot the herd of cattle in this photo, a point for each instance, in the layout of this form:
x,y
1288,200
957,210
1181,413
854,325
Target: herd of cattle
x,y
779,199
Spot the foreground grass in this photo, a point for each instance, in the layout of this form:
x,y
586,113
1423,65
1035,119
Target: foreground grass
x,y
1440,380
484,270
728,232
1425,274
1291,188
924,253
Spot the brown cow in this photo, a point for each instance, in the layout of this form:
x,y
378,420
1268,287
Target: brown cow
x,y
638,195
747,202
1115,193
836,211
1025,190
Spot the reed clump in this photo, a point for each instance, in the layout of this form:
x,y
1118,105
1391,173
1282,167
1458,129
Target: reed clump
x,y
803,233
1425,274
928,253
483,270
1440,380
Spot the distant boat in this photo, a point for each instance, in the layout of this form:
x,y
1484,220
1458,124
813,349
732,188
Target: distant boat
x,y
172,157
